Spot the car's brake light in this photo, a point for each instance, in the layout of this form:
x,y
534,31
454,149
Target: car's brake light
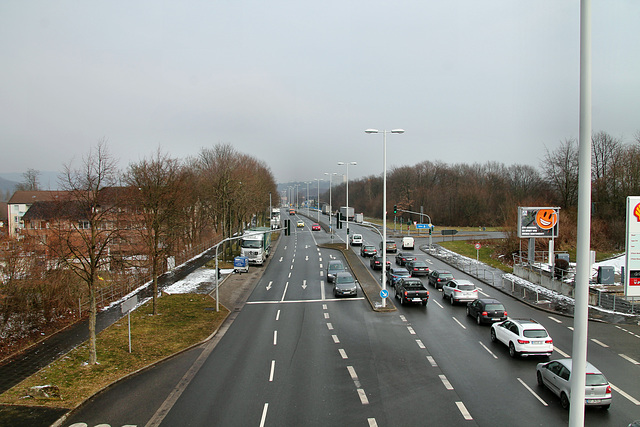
x,y
505,314
523,342
548,342
484,313
608,391
457,290
406,293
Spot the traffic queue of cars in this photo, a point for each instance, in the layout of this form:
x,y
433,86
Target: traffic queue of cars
x,y
344,284
522,337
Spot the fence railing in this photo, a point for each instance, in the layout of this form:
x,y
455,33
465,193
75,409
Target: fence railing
x,y
533,293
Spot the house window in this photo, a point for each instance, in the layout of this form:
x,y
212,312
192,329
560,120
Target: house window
x,y
83,225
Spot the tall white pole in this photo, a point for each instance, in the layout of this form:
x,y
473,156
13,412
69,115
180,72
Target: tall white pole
x,y
318,201
384,215
581,311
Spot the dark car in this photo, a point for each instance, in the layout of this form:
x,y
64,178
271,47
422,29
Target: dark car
x,y
417,268
344,285
368,250
335,266
437,278
411,290
376,262
396,273
487,310
402,258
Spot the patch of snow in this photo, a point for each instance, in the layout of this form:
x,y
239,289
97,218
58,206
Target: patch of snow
x,y
192,281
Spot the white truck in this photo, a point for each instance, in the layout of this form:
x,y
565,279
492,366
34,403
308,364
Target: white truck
x,y
275,218
347,212
256,244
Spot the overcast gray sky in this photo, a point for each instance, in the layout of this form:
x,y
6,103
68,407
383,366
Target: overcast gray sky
x,y
295,82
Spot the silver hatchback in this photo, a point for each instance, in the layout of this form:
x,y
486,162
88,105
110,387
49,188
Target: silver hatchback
x,y
556,376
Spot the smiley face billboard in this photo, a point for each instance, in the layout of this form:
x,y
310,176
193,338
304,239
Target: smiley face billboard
x,y
538,222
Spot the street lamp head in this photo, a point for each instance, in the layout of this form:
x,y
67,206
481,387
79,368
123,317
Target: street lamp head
x,y
371,131
354,163
397,131
340,163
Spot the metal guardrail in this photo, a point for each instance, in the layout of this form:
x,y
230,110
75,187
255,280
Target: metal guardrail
x,y
531,293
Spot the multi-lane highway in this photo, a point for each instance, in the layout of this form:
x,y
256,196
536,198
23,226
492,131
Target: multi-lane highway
x,y
294,355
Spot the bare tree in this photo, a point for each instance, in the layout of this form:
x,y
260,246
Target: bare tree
x,y
157,194
560,168
30,181
87,224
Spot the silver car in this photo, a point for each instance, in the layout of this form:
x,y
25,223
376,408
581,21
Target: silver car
x,y
335,266
344,285
458,290
556,376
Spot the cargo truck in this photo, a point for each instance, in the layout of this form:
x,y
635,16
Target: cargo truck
x,y
275,218
347,212
256,244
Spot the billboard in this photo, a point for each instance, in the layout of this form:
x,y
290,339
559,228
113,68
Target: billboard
x,y
632,253
538,222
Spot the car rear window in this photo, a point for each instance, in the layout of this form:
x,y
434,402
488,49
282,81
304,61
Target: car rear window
x,y
344,279
465,287
596,379
419,264
446,276
496,307
336,266
535,333
413,285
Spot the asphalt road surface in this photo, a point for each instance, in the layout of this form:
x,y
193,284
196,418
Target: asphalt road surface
x,y
294,355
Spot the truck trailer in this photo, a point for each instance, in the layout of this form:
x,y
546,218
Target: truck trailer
x,y
347,212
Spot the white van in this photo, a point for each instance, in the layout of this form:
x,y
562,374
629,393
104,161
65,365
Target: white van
x,y
356,240
407,243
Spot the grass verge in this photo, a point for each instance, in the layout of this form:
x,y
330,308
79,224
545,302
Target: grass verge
x,y
467,248
183,320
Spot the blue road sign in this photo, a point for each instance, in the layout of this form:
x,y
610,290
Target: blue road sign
x,y
427,226
384,293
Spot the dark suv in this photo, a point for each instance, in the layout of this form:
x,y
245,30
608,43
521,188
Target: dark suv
x,y
487,310
437,278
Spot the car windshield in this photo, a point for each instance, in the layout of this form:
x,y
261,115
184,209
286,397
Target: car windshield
x,y
496,307
252,244
596,379
466,287
535,333
343,279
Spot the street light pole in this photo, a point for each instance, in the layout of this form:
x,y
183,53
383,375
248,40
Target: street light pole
x,y
330,208
384,203
347,214
318,201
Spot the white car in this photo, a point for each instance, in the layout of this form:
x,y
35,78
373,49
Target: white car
x,y
459,291
524,337
556,376
356,240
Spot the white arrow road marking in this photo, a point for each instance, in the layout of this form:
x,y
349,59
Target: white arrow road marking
x,y
269,285
304,284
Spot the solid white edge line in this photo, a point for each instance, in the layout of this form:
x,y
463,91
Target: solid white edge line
x,y
626,395
487,348
533,392
264,414
273,368
463,411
